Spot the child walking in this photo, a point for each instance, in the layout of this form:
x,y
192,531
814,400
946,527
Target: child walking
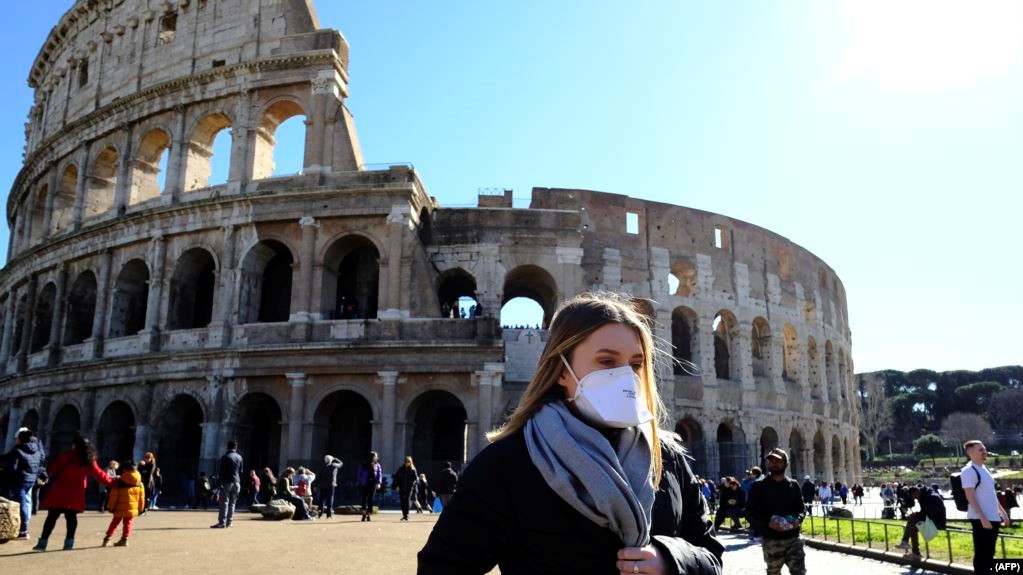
x,y
127,500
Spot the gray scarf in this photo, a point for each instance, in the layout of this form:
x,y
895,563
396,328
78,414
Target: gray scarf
x,y
610,488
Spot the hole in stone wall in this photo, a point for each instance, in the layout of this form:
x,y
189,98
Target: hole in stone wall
x,y
631,223
168,29
83,73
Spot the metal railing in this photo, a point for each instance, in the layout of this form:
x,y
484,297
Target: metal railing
x,y
861,533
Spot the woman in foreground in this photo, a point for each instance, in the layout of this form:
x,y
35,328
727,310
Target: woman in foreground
x,y
568,484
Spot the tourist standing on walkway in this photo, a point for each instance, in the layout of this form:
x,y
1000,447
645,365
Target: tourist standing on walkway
x,y
369,479
932,507
104,493
126,501
582,478
147,470
66,493
404,481
20,469
229,475
754,475
446,484
809,494
985,514
328,484
203,491
424,499
825,494
843,492
253,487
777,507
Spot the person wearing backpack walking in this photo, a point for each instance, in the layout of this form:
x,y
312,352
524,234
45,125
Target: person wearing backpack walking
x,y
984,513
932,507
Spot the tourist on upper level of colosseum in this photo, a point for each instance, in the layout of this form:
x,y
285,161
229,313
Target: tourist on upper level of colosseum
x,y
582,478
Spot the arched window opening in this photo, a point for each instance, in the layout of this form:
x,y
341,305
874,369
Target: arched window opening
x,y
819,454
684,273
830,373
725,342
179,443
731,451
39,215
761,346
457,295
64,201
351,279
439,431
797,461
81,309
192,289
66,425
43,318
532,282
265,294
842,373
692,439
258,430
790,355
344,429
20,321
768,441
837,464
813,368
209,153
280,141
31,420
521,313
150,167
684,328
130,300
99,196
115,434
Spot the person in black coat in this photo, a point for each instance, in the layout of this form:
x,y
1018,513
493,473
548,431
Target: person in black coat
x,y
406,478
446,484
931,506
732,503
575,483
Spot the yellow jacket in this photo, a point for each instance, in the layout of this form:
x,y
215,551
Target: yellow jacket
x,y
128,497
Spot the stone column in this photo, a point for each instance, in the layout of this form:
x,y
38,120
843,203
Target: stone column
x,y
102,297
323,89
51,193
390,289
220,330
743,363
25,237
388,381
175,181
59,305
488,390
81,188
88,427
122,189
239,171
296,409
9,321
12,426
155,301
26,330
303,305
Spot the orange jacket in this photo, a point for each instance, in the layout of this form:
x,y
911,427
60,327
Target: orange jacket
x,y
128,497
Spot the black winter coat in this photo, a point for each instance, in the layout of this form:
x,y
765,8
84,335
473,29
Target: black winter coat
x,y
933,506
22,463
504,513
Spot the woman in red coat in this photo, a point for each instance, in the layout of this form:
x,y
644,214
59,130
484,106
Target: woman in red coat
x,y
65,494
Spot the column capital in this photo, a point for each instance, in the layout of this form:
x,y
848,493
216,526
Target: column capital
x,y
308,221
387,377
296,379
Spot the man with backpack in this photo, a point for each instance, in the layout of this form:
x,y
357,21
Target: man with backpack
x,y
932,507
983,510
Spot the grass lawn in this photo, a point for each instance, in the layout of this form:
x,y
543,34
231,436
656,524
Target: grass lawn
x,y
857,532
1018,476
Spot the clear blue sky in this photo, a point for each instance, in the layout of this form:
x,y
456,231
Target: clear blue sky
x,y
885,137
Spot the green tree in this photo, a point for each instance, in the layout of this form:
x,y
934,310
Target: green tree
x,y
978,395
929,445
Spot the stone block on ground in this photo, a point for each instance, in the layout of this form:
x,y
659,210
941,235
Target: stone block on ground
x,y
276,510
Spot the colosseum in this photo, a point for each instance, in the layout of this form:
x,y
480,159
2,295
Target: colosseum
x,y
154,310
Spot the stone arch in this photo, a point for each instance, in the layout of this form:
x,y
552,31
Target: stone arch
x,y
81,308
685,272
273,115
691,432
761,344
797,454
837,465
178,446
768,441
731,448
115,433
813,369
685,330
146,167
819,453
351,278
101,184
437,431
535,283
343,428
790,354
66,424
266,280
198,162
831,376
453,285
63,210
130,299
257,428
42,317
21,321
192,290
38,215
726,344
842,373
31,420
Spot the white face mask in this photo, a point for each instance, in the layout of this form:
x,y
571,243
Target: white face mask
x,y
610,397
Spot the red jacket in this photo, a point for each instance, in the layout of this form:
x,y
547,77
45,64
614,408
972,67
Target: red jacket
x,y
68,480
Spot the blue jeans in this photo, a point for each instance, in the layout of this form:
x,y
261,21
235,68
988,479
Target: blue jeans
x,y
23,495
228,500
327,501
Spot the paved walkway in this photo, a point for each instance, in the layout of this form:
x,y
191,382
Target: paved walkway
x,y
745,558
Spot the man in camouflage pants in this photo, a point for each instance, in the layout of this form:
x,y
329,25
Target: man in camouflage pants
x,y
776,508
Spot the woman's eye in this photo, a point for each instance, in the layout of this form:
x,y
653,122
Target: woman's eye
x,y
637,366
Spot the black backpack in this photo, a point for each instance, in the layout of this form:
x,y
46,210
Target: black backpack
x,y
958,493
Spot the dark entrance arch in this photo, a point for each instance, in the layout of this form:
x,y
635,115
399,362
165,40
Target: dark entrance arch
x,y
66,425
266,283
81,307
179,444
43,318
768,441
797,455
258,431
115,434
351,278
457,289
191,291
692,439
344,429
131,297
438,432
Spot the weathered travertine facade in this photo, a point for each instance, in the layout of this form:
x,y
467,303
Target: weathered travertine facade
x,y
303,314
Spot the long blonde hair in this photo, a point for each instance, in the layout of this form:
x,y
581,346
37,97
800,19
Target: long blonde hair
x,y
575,321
